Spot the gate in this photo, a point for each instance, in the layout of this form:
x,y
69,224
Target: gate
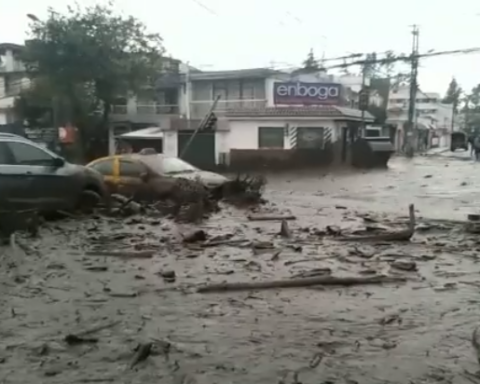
x,y
201,151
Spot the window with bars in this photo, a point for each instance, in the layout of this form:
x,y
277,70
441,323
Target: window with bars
x,y
271,137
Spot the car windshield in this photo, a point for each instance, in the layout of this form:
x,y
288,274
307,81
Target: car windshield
x,y
172,165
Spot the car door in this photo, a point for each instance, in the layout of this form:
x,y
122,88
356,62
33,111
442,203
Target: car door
x,y
130,181
108,168
14,182
49,187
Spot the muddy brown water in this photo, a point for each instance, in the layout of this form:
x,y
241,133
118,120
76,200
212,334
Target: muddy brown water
x,y
418,332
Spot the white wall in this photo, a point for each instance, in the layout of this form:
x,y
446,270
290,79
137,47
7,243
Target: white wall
x,y
244,133
170,143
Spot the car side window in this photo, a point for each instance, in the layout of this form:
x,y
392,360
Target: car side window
x,y
27,154
131,169
6,157
105,167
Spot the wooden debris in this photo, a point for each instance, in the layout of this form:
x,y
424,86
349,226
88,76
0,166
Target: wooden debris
x,y
142,353
476,344
403,235
77,340
297,283
123,254
195,236
270,217
285,230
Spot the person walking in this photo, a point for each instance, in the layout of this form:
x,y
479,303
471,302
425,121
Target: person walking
x,y
476,146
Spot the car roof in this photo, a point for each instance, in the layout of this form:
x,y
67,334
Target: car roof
x,y
4,136
147,160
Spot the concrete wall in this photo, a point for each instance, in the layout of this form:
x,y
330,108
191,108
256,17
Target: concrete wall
x,y
245,155
284,159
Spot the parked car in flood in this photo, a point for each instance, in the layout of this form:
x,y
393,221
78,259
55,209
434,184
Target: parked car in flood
x,y
126,173
32,177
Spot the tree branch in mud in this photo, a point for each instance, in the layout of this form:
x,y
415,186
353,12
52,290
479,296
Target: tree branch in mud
x,y
403,235
298,283
243,190
270,217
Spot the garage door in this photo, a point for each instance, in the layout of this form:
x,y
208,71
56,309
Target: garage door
x,y
201,150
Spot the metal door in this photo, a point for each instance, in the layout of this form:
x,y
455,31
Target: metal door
x,y
201,151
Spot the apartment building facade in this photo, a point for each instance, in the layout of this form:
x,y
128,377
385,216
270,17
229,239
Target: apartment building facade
x,y
432,118
255,109
13,79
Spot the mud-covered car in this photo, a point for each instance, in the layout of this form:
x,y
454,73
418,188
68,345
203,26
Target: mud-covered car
x,y
32,177
128,174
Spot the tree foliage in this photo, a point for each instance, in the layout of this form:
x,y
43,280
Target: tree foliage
x,y
86,58
453,95
311,63
471,111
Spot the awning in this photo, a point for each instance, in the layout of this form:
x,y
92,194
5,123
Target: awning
x,y
150,133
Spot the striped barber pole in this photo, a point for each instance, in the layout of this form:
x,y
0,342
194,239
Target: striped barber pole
x,y
293,136
327,135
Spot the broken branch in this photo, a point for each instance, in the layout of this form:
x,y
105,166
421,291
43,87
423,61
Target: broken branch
x,y
297,283
270,217
123,254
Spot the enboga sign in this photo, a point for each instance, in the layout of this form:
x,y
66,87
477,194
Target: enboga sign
x,y
306,93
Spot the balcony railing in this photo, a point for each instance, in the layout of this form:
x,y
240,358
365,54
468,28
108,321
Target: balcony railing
x,y
165,109
150,109
199,108
119,109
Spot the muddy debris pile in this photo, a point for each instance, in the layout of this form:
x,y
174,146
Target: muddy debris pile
x,y
244,190
190,200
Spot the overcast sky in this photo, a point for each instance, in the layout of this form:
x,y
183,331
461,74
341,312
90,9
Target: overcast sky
x,y
228,34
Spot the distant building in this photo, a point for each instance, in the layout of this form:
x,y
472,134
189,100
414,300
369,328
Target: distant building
x,y
430,114
13,79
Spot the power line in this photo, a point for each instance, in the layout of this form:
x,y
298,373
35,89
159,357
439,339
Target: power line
x,y
205,7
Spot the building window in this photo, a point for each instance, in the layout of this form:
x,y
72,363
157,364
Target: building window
x,y
311,137
271,137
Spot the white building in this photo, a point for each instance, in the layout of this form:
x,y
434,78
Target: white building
x,y
430,113
12,79
261,112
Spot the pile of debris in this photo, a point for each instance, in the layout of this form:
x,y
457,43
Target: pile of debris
x,y
244,190
181,199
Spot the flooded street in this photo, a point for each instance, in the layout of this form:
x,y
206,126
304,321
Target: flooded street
x,y
418,331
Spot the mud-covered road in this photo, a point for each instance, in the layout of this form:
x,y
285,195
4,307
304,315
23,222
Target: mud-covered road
x,y
414,332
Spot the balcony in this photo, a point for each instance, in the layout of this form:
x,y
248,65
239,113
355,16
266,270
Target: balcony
x,y
157,109
200,108
142,113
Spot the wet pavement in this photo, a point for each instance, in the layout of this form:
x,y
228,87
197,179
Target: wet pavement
x,y
414,332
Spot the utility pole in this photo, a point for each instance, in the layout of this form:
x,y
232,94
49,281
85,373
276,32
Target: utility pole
x,y
364,97
363,107
410,129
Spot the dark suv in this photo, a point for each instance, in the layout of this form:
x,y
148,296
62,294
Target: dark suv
x,y
34,177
